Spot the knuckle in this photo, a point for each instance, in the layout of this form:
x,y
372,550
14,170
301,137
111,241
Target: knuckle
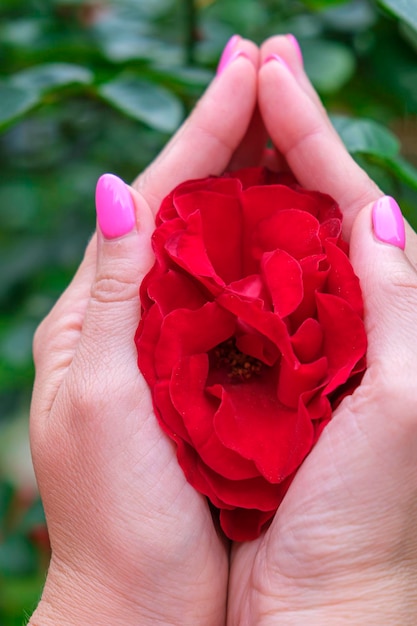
x,y
388,390
39,340
400,292
55,337
309,135
108,289
96,379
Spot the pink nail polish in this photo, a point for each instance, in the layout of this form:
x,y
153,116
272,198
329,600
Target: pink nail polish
x,y
115,208
276,57
388,222
296,45
227,53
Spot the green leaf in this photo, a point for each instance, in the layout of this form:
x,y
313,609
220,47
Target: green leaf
x,y
355,17
120,49
403,170
33,517
19,598
194,77
322,4
15,102
366,136
17,556
6,497
329,64
405,10
151,104
16,344
23,32
50,76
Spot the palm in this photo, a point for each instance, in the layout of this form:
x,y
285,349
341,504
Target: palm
x,y
181,537
331,525
146,511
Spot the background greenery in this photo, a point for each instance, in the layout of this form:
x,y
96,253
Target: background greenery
x,y
94,86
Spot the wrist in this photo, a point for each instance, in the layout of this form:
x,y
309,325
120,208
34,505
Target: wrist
x,y
374,598
79,597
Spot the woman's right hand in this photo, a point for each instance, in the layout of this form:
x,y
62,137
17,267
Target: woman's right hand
x,y
132,541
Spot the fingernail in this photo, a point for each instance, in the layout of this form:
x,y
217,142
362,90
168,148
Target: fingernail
x,y
236,55
276,57
388,222
296,45
115,208
227,54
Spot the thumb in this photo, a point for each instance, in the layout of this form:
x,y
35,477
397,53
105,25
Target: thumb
x,y
389,285
124,255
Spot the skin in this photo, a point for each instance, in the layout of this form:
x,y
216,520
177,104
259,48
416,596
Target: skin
x,y
341,548
132,542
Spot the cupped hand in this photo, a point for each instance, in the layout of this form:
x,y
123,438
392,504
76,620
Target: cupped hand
x,y
342,547
132,542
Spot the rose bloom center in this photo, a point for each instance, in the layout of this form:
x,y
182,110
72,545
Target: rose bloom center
x,y
239,367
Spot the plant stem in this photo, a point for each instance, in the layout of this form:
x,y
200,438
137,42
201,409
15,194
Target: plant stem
x,y
190,14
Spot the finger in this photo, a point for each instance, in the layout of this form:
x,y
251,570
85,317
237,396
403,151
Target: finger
x,y
106,354
411,244
309,144
124,256
204,145
389,285
288,49
98,315
57,336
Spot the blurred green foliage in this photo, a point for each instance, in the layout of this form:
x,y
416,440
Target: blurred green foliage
x,y
88,86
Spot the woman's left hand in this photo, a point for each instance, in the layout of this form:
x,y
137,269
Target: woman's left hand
x,y
342,547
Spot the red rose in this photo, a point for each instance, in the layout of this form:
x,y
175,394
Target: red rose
x,y
251,333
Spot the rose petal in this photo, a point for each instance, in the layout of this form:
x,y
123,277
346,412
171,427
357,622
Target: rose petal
x,y
342,280
265,322
293,231
161,235
187,196
249,176
173,290
222,234
283,276
168,417
177,203
186,248
344,337
295,380
258,346
250,287
307,341
197,409
247,412
244,524
330,230
319,204
314,279
315,406
184,332
167,211
252,493
146,338
219,231
195,473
